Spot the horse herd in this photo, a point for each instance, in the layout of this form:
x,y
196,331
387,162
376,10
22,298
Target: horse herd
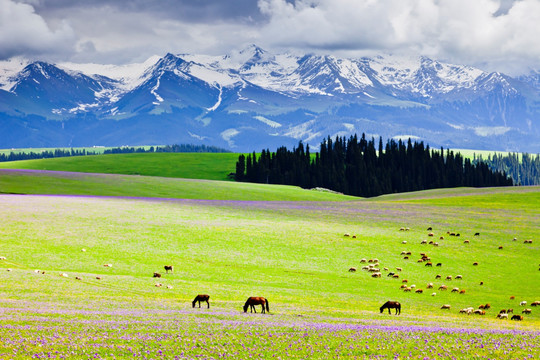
x,y
250,302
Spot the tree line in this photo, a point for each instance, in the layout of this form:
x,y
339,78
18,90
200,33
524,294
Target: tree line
x,y
524,171
360,168
186,148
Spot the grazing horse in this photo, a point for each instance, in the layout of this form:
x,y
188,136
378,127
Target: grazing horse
x,y
391,305
201,298
252,301
168,268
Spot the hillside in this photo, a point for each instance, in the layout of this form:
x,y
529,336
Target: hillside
x,y
209,166
293,253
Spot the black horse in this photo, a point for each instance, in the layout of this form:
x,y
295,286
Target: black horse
x,y
200,298
252,301
391,305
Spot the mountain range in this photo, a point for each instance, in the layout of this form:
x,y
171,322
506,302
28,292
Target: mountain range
x,y
254,99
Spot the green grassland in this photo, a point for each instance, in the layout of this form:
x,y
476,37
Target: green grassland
x,y
230,241
210,166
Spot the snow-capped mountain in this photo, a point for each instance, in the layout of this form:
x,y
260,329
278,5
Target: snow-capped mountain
x,y
252,99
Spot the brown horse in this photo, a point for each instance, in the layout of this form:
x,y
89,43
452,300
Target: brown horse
x,y
201,298
391,305
252,301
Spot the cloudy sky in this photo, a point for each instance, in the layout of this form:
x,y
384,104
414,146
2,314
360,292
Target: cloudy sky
x,y
491,34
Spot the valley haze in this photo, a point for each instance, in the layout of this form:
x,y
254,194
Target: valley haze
x,y
253,98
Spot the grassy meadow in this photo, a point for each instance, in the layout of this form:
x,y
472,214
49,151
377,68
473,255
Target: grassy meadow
x,y
237,240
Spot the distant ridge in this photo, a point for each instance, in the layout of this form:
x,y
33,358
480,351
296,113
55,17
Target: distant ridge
x,y
253,98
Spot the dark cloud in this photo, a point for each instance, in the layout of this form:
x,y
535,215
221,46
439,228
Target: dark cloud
x,y
185,10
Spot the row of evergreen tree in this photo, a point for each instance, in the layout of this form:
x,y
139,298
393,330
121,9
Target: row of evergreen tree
x,y
356,167
184,148
524,169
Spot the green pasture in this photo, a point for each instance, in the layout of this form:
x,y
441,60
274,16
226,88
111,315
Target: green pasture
x,y
68,183
210,166
292,252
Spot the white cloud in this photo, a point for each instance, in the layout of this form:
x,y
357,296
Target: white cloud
x,y
491,33
23,32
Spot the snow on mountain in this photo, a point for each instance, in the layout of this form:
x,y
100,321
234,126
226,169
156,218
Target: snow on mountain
x,y
9,70
254,98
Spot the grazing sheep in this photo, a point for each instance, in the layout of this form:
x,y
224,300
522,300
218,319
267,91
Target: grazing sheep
x,y
157,275
437,276
481,283
517,317
168,268
475,264
78,278
402,229
477,234
405,258
169,287
535,303
399,269
370,261
439,264
352,269
413,286
83,250
429,286
503,311
526,311
466,242
404,280
404,242
395,276
446,306
376,275
391,274
508,311
512,297
459,277
8,269
479,312
64,275
463,311
429,228
365,268
98,277
433,294
423,242
502,316
363,261
431,234
346,234
455,290
420,260
429,263
514,239
500,247
407,289
528,242
403,252
419,291
3,258
385,269
435,244
354,236
449,277
443,287
375,260
158,285
523,303
441,238
462,291
107,265
403,286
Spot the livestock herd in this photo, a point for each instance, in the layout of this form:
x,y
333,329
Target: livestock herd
x,y
374,268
